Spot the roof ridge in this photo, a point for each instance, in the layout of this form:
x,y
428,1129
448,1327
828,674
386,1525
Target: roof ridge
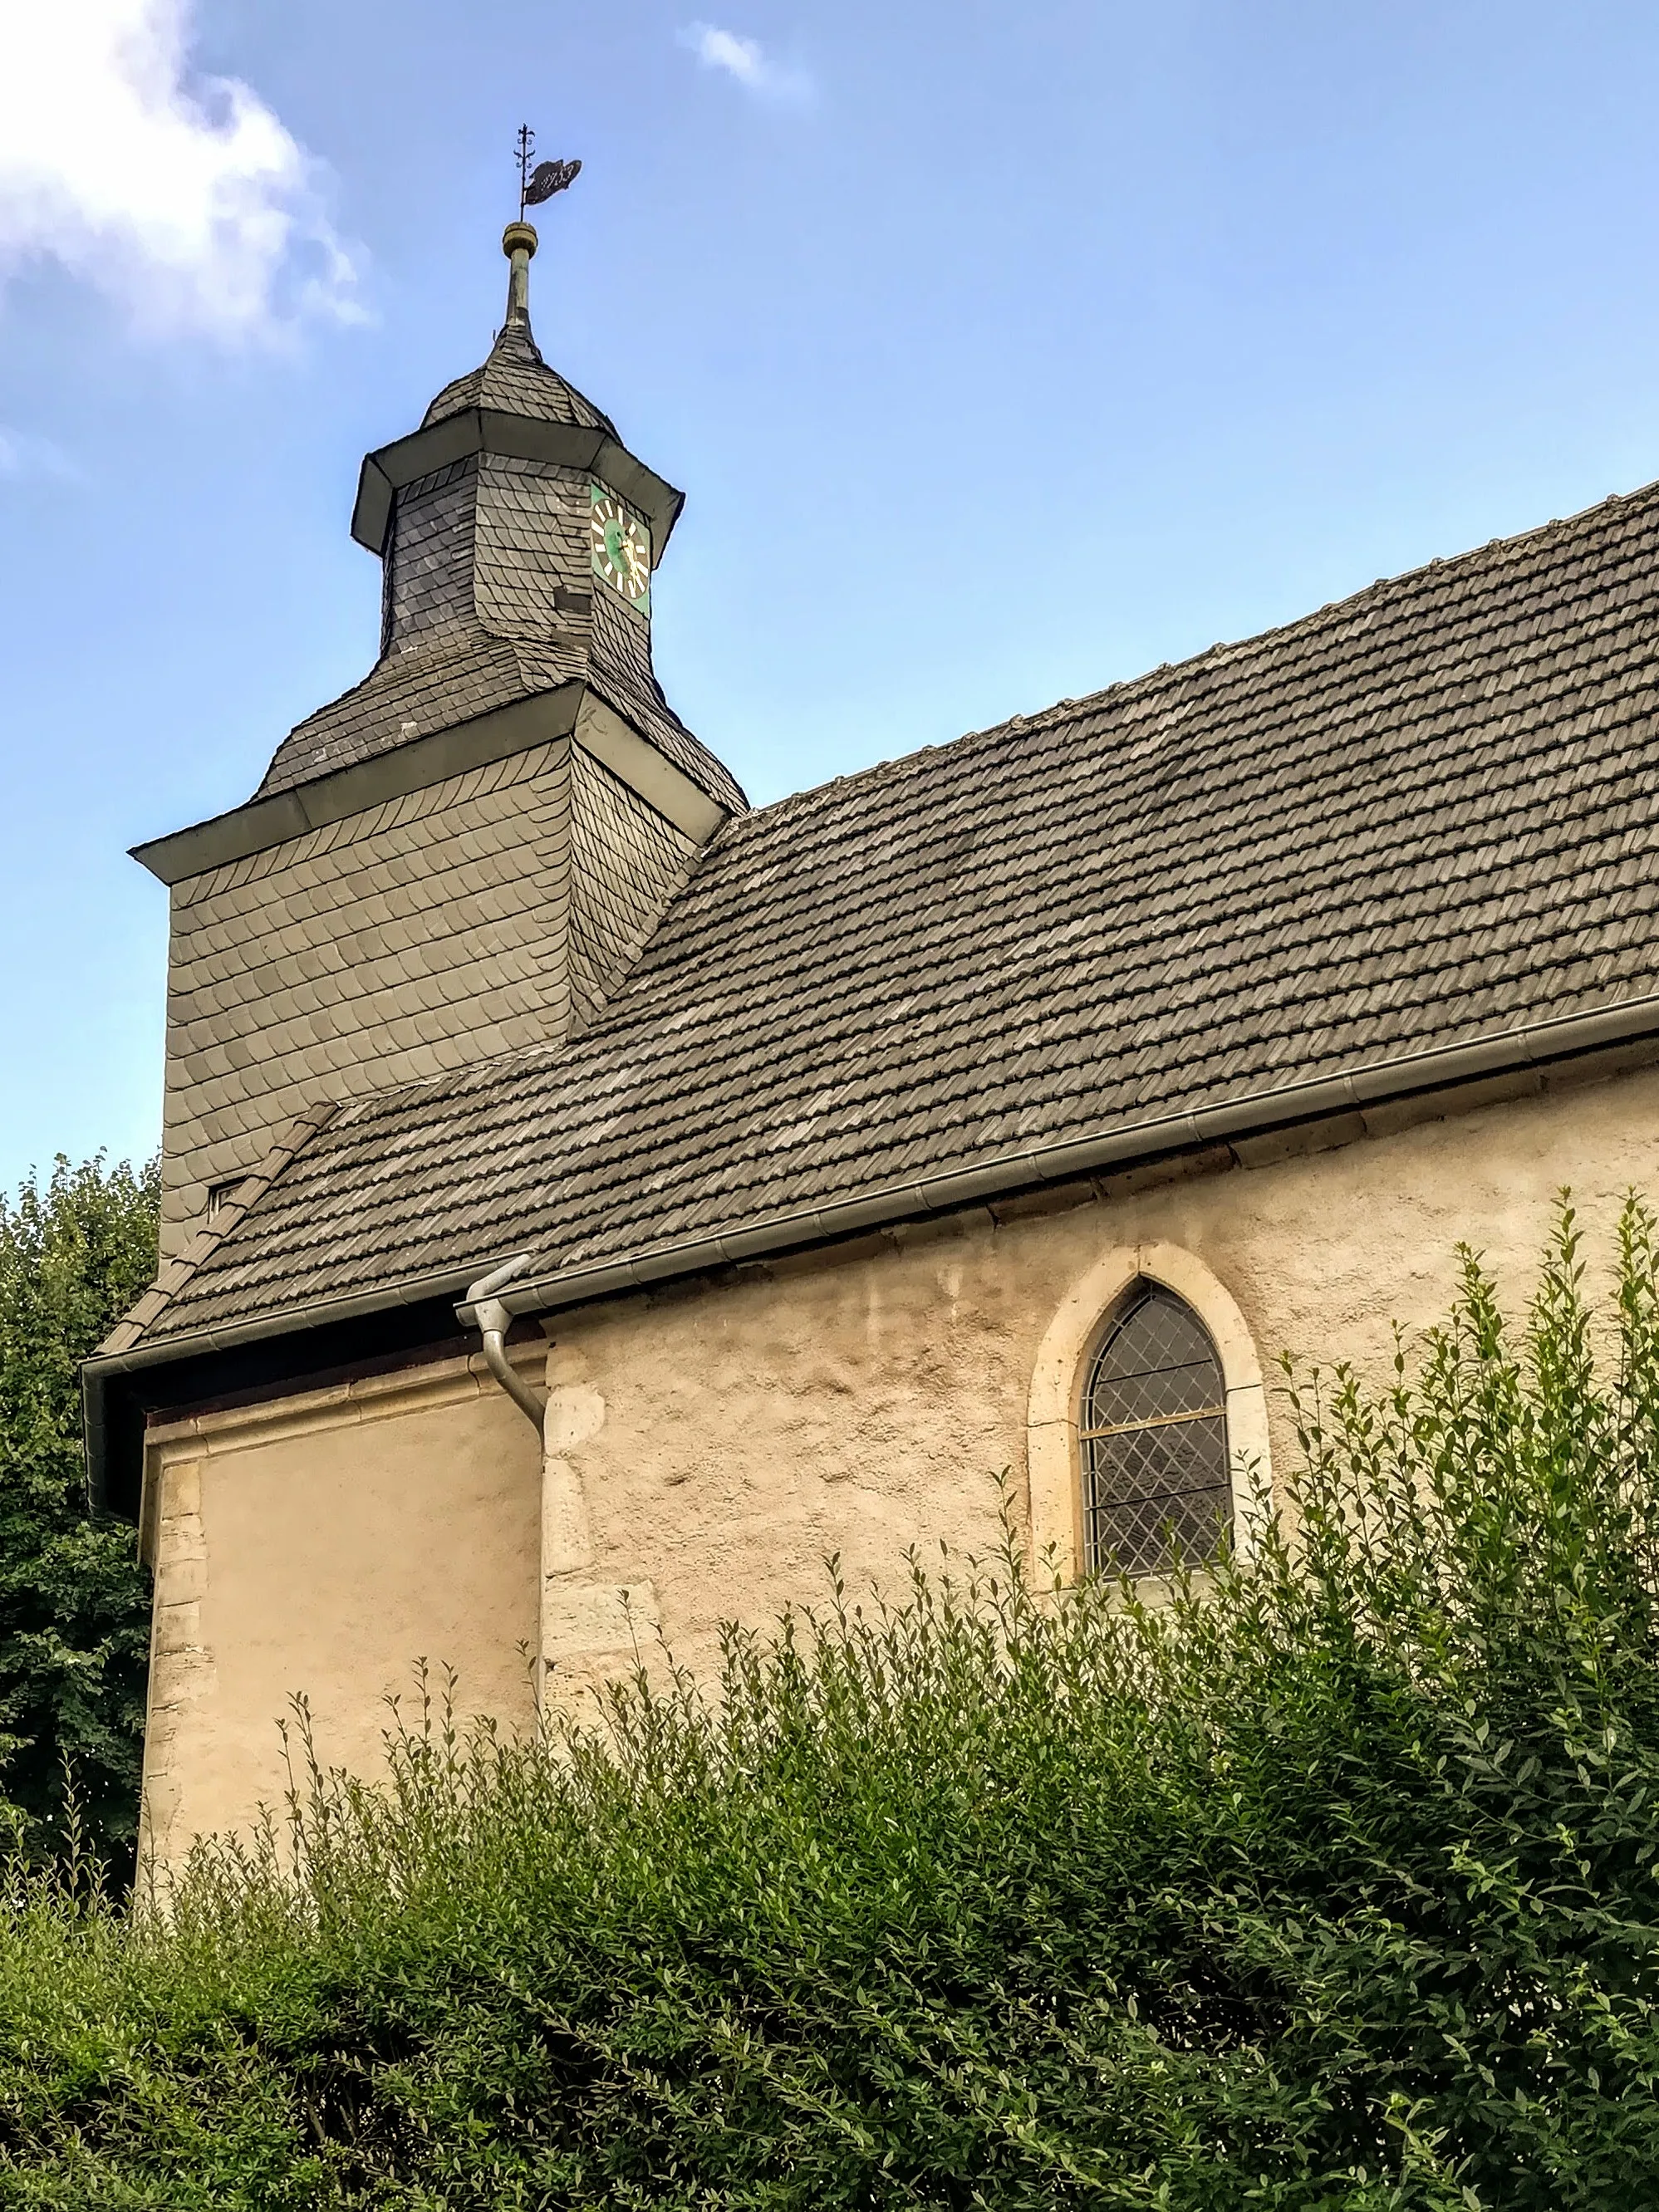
x,y
539,1051
457,1080
1166,671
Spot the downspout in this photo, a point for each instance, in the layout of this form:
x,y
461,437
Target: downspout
x,y
495,1320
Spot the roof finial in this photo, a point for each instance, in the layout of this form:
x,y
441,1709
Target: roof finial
x,y
519,240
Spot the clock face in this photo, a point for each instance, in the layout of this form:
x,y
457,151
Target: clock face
x,y
622,546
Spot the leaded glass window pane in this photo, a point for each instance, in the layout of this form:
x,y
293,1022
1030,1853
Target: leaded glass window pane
x,y
1154,1437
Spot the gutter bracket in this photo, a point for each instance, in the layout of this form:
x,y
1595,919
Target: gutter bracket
x,y
494,1320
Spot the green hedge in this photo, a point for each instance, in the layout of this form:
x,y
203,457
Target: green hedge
x,y
1328,1883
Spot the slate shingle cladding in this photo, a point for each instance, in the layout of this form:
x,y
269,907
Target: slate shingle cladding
x,y
489,600
1419,818
489,910
516,380
427,580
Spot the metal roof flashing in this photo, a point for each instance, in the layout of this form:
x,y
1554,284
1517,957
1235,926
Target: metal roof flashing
x,y
516,437
262,822
571,708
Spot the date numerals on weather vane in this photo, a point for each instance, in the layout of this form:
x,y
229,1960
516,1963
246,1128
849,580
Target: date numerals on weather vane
x,y
540,181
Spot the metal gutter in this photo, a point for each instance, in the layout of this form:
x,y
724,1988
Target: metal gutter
x,y
1532,1044
190,1344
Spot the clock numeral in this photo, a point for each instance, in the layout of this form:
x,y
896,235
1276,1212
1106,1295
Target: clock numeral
x,y
621,546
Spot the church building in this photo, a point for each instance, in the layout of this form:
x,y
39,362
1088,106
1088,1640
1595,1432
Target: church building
x,y
591,1201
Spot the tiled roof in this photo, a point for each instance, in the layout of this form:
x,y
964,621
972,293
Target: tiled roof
x,y
517,380
1415,819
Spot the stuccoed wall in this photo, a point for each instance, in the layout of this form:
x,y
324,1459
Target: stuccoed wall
x,y
323,1546
706,1446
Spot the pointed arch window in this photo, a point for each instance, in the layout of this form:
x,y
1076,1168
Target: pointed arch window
x,y
1153,1437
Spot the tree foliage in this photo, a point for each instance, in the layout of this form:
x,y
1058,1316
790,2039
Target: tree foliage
x,y
74,1605
1327,1883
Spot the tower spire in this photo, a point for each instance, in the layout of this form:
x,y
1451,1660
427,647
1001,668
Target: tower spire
x,y
519,240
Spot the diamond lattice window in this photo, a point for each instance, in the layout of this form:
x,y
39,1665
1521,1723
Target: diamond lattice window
x,y
1154,1440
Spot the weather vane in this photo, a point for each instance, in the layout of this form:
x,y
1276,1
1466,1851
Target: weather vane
x,y
547,178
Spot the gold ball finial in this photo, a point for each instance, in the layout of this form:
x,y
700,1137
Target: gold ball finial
x,y
518,237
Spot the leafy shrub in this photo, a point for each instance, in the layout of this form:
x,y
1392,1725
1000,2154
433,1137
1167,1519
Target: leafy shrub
x,y
73,1601
1327,1883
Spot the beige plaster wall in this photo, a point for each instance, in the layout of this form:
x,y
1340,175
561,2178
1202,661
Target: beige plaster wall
x,y
707,1445
322,1546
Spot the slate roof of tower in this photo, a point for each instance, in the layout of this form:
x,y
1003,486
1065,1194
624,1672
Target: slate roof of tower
x,y
1423,817
449,678
516,380
453,680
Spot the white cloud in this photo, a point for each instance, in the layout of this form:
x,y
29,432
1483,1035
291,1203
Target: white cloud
x,y
184,198
745,60
22,454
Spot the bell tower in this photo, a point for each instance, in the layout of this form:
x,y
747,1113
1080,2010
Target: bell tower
x,y
466,853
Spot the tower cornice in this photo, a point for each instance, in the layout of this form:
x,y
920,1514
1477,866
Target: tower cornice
x,y
492,431
572,710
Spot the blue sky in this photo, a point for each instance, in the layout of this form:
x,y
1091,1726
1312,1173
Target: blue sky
x,y
1002,351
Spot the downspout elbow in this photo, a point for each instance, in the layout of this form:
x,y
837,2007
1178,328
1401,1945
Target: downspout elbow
x,y
494,1320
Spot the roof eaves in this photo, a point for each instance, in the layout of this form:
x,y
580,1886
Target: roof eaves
x,y
172,1277
1530,1044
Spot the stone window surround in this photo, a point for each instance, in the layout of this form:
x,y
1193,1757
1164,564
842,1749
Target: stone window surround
x,y
1094,1302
